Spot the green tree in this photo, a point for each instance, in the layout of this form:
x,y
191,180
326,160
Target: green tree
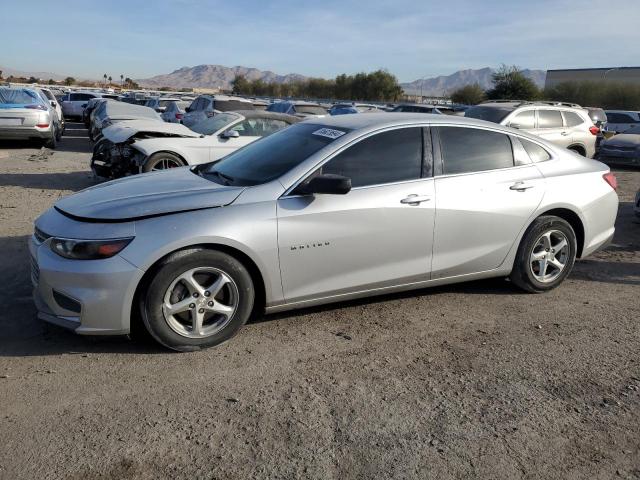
x,y
32,80
51,81
468,95
509,83
69,81
241,86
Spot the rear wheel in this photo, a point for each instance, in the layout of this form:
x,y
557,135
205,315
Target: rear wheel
x,y
197,299
545,256
53,141
162,161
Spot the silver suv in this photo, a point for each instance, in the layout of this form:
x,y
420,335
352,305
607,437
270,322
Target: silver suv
x,y
565,124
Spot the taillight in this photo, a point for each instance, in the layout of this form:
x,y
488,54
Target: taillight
x,y
594,130
42,125
179,116
35,107
611,179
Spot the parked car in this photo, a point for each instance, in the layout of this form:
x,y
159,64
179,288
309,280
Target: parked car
x,y
206,106
141,146
109,113
74,103
349,108
599,119
27,114
620,120
566,125
174,111
88,110
326,210
416,108
160,104
55,104
623,148
298,108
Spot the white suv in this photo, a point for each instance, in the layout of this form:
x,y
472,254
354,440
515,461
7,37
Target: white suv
x,y
565,124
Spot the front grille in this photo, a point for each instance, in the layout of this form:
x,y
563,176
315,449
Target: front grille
x,y
35,272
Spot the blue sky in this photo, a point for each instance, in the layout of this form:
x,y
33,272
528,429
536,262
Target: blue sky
x,y
412,39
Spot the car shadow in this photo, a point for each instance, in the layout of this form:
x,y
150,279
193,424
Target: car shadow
x,y
73,181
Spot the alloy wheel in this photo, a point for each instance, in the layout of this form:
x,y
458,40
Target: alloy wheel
x,y
166,163
200,302
549,256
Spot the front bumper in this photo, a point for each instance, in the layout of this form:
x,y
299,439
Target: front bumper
x,y
91,297
619,157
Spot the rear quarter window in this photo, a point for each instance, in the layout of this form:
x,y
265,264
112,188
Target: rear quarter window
x,y
572,119
535,151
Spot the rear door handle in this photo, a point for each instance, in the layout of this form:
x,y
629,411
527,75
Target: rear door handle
x,y
564,134
520,186
414,199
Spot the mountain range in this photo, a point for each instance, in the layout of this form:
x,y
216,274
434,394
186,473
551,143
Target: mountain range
x,y
444,84
212,76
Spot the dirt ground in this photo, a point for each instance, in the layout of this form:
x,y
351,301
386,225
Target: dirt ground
x,y
468,381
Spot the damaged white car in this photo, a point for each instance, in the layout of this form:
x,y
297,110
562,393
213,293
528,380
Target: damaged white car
x,y
137,146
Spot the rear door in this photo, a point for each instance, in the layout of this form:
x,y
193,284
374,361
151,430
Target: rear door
x,y
483,199
551,127
372,237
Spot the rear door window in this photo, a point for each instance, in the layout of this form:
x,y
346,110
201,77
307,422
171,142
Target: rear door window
x,y
466,150
549,119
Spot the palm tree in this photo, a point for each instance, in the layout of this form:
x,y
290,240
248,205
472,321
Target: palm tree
x,y
105,79
109,80
121,77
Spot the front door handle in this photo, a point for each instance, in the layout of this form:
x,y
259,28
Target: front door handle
x,y
564,134
520,186
414,199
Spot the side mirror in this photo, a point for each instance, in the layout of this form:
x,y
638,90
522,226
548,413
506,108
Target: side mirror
x,y
230,134
327,183
53,104
187,109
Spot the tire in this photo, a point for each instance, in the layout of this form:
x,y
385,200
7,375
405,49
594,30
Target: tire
x,y
181,281
162,161
53,141
578,150
535,268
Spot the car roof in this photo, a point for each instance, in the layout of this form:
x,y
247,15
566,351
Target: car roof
x,y
374,121
265,114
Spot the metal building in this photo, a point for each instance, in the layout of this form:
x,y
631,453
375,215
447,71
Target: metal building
x,y
612,74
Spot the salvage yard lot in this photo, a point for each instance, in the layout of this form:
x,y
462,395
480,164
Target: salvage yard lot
x,y
463,381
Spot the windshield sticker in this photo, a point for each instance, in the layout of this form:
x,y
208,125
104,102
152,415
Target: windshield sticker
x,y
329,133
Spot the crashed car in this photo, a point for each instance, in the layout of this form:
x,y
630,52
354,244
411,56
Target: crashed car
x,y
140,146
622,149
109,113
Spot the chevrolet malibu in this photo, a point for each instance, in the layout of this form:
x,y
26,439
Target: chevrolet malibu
x,y
325,210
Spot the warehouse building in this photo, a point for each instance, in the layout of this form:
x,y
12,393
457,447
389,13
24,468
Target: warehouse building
x,y
613,74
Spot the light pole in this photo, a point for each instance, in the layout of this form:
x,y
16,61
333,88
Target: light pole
x,y
604,75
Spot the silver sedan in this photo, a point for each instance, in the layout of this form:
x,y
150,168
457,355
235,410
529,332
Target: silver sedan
x,y
325,210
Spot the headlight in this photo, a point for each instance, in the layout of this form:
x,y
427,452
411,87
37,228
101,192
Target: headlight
x,y
88,249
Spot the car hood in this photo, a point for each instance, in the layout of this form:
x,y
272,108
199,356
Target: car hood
x,y
623,140
147,195
124,130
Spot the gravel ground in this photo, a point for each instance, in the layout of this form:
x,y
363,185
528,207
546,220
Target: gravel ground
x,y
467,381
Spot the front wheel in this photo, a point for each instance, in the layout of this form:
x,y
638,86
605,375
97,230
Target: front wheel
x,y
545,256
162,161
197,299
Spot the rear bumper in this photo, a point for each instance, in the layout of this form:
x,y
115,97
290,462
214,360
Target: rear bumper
x,y
23,133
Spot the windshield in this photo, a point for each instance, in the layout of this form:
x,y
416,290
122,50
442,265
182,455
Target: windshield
x,y
310,109
271,157
213,124
491,114
164,103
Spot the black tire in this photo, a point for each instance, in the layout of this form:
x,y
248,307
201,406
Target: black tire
x,y
168,271
155,161
53,141
522,274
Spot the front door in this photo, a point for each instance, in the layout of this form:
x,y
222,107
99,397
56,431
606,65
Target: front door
x,y
379,234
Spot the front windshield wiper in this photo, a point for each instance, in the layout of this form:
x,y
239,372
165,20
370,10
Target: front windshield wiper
x,y
226,179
